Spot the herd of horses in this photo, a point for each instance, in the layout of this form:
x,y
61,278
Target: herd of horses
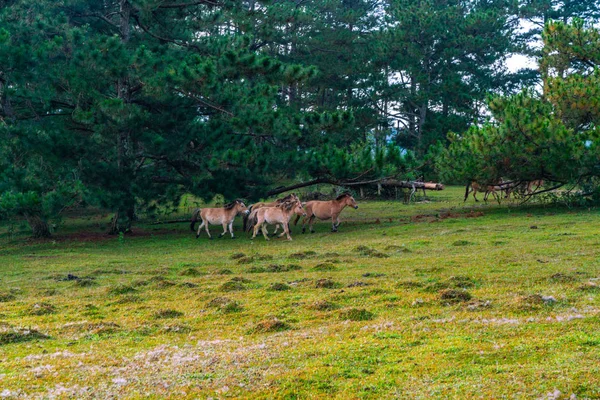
x,y
278,213
523,187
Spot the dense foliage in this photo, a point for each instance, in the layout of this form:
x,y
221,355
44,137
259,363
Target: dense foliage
x,y
127,105
551,135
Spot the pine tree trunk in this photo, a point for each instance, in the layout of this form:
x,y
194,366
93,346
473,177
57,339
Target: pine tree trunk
x,y
39,226
123,218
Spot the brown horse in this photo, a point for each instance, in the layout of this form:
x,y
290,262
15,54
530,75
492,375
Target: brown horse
x,y
325,210
474,187
525,187
218,216
280,214
251,216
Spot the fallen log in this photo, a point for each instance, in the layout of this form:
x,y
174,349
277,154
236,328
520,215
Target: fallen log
x,y
349,184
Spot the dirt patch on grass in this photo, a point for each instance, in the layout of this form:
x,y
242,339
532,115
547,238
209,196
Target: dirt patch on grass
x,y
237,256
274,268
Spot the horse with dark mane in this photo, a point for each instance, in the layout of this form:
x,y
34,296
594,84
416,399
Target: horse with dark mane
x,y
326,209
278,215
218,216
253,209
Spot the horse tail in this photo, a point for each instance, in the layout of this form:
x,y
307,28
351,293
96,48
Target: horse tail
x,y
245,217
195,215
467,190
251,221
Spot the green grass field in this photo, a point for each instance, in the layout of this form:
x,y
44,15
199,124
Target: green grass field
x,y
429,300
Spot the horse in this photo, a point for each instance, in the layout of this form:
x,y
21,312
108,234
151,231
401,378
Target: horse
x,y
474,187
280,214
218,216
526,187
256,206
325,210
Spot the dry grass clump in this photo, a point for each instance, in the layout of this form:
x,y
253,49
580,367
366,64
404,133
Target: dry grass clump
x,y
270,325
534,301
169,313
19,335
190,272
237,256
326,284
560,277
42,309
326,266
85,282
6,297
589,287
358,284
223,271
234,284
409,284
303,254
225,305
356,314
323,305
372,275
122,289
398,249
279,287
454,296
367,251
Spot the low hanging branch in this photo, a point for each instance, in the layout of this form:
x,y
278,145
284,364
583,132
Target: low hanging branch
x,y
384,182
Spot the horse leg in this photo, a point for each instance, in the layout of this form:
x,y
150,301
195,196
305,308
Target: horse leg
x,y
256,227
264,231
333,227
206,228
310,223
224,230
474,193
337,221
287,232
199,229
303,224
275,231
231,229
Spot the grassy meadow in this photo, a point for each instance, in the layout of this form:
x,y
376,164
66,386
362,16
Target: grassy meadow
x,y
437,299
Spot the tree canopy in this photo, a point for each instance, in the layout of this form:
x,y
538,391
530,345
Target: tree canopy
x,y
129,104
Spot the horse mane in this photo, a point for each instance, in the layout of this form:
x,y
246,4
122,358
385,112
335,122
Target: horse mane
x,y
287,205
341,196
284,199
229,206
